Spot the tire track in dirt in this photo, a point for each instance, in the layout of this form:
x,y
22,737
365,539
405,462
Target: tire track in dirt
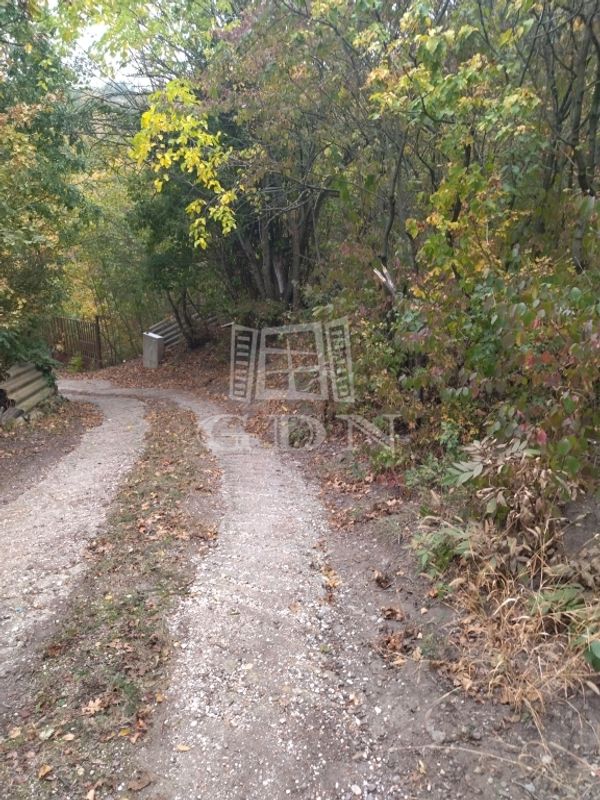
x,y
256,707
44,530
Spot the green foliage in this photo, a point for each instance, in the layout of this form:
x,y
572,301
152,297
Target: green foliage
x,y
107,274
519,357
488,458
387,459
169,262
76,363
430,473
38,153
259,314
175,132
558,600
436,549
450,436
15,348
592,655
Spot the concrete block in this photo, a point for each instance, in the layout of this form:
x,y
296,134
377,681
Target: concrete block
x,y
154,350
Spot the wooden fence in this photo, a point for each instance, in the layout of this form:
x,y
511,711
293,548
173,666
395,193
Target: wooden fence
x,y
72,338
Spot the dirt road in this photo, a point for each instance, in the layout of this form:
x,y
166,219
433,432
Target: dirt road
x,y
256,695
45,529
277,690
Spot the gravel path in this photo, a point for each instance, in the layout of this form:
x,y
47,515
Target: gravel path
x,y
275,692
253,694
255,707
45,529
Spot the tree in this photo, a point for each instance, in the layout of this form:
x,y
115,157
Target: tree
x,y
38,153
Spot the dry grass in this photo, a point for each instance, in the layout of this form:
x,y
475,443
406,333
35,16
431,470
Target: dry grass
x,y
518,640
513,648
527,620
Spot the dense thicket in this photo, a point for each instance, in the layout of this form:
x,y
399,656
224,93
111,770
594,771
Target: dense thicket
x,y
39,131
428,168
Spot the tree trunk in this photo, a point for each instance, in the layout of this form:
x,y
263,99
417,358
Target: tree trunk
x,y
267,260
253,263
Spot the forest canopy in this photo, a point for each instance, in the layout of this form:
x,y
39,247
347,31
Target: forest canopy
x,y
427,168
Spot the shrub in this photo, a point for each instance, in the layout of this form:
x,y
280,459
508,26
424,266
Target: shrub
x,y
515,355
76,363
15,348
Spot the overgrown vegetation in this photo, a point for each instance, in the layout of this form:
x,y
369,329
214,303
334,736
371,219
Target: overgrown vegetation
x,y
533,618
38,154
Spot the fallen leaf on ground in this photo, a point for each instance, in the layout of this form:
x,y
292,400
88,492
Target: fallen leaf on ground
x,y
331,578
183,748
54,650
44,771
393,613
382,580
93,707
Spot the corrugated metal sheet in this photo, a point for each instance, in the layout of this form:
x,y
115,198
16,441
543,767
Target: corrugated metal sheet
x,y
170,331
24,389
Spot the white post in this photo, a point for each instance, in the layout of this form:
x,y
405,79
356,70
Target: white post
x,y
154,350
